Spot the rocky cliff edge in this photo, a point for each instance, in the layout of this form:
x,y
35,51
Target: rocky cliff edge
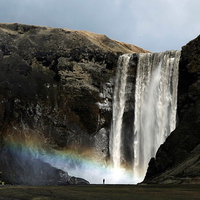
x,y
55,93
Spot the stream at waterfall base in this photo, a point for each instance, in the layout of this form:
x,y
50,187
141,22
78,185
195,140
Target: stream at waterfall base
x,y
101,192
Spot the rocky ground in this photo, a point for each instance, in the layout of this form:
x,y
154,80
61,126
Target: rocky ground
x,y
101,192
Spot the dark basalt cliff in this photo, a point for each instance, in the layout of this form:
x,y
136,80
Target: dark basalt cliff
x,y
178,159
56,95
56,84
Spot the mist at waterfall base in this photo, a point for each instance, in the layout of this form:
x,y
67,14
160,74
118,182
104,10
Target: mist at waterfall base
x,y
154,119
27,159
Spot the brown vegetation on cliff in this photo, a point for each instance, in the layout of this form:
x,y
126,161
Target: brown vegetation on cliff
x,y
52,84
55,76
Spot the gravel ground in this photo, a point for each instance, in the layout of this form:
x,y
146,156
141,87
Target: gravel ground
x,y
101,192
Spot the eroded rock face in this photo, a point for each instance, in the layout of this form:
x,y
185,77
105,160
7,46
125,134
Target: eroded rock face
x,y
177,160
57,83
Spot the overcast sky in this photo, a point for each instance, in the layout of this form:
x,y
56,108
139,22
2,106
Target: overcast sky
x,y
155,25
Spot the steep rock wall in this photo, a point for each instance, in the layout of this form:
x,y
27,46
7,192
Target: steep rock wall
x,y
57,84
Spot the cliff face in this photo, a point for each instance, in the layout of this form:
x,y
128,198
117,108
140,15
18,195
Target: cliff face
x,y
177,160
56,88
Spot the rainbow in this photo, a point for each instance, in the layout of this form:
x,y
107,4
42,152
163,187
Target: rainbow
x,y
75,163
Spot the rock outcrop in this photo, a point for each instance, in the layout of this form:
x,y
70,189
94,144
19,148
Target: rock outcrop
x,y
56,96
178,159
57,84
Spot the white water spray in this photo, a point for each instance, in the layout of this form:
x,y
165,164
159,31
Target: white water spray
x,y
155,105
119,99
155,108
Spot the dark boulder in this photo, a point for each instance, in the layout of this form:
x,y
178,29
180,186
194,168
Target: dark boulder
x,y
20,167
77,181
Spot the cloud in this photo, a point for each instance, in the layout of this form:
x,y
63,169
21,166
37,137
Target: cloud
x,y
118,2
166,22
156,25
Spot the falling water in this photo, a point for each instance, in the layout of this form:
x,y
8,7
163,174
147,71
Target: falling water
x,y
155,105
155,108
119,99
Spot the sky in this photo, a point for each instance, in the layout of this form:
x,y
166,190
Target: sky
x,y
155,25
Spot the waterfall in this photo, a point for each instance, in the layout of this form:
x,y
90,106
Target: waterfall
x,y
119,99
155,107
